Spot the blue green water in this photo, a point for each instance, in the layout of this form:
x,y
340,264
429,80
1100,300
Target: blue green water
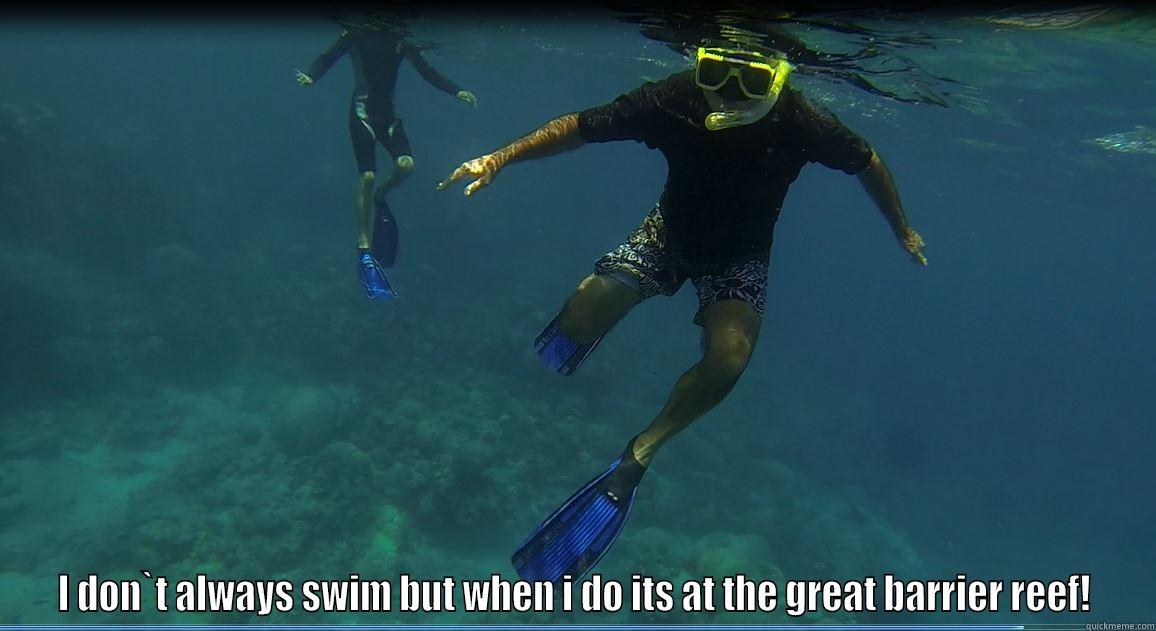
x,y
194,381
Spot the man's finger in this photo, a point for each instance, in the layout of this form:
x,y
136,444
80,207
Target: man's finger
x,y
478,183
454,177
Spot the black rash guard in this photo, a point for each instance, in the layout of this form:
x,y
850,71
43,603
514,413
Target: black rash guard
x,y
376,57
724,189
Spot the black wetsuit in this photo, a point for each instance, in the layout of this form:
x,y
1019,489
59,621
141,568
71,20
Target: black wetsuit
x,y
376,57
724,189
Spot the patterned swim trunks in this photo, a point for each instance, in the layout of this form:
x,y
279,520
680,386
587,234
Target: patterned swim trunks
x,y
646,263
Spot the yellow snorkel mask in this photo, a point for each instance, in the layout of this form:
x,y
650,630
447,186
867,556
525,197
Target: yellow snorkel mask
x,y
759,79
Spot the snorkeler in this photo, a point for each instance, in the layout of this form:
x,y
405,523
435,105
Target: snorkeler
x,y
377,54
735,136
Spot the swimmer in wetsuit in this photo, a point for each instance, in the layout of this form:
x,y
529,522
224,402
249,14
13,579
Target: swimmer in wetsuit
x,y
377,55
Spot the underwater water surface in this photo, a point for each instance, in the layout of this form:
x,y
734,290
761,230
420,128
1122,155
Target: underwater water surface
x,y
195,382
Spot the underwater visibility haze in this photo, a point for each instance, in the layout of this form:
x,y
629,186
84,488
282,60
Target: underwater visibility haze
x,y
194,379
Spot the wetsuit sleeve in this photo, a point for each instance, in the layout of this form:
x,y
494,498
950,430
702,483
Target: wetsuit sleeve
x,y
828,141
437,79
631,116
325,60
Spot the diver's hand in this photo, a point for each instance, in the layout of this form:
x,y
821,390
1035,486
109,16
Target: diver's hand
x,y
303,78
468,97
482,169
914,245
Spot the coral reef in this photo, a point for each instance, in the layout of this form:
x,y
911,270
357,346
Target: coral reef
x,y
220,414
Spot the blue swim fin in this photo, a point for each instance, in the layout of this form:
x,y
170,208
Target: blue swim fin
x,y
574,538
562,354
373,277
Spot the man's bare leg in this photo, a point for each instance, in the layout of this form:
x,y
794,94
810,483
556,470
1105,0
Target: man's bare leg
x,y
402,167
598,304
731,328
363,208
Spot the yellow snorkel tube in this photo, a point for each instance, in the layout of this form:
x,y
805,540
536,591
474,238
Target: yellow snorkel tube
x,y
760,79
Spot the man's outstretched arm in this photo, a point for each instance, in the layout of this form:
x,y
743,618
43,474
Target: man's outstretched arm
x,y
877,180
325,60
435,78
557,136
